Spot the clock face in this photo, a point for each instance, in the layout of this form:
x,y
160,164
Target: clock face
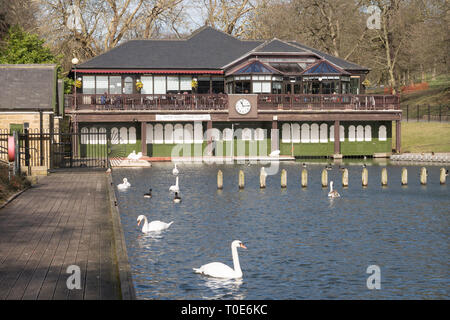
x,y
243,106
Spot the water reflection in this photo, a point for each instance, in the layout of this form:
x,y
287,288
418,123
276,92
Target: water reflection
x,y
223,289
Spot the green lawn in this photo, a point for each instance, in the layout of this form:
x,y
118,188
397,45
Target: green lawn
x,y
424,136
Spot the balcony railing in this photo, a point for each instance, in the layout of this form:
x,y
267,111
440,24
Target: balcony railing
x,y
220,102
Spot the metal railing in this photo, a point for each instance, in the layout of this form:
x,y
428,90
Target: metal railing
x,y
437,113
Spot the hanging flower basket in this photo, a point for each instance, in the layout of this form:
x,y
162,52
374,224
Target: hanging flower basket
x,y
194,84
366,83
139,85
78,83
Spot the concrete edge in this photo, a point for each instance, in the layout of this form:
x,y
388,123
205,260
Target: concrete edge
x,y
15,195
124,270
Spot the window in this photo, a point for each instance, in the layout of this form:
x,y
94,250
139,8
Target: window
x,y
323,137
382,133
147,81
101,84
227,134
295,132
93,135
188,133
149,133
246,134
123,135
217,84
132,135
286,133
330,87
314,133
168,133
114,135
173,83
259,134
242,87
351,133
88,84
203,85
115,84
354,85
186,83
276,87
158,137
305,133
360,133
128,85
85,135
160,85
215,134
198,132
102,136
367,133
178,133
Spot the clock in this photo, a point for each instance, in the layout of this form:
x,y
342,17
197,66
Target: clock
x,y
243,106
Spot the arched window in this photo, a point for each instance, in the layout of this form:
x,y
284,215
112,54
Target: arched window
x,y
332,133
198,132
215,134
382,133
158,137
93,135
286,133
351,133
128,85
323,137
84,135
149,133
168,133
295,133
123,135
227,134
132,135
367,133
341,133
178,133
259,134
188,133
247,134
359,133
305,133
314,133
114,135
102,136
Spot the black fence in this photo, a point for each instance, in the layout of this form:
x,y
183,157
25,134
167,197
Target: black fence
x,y
58,150
428,113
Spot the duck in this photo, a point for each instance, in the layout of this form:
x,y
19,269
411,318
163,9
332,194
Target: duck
x,y
134,156
152,226
108,170
221,270
148,194
175,170
364,165
333,193
275,153
304,165
175,187
124,185
177,198
328,167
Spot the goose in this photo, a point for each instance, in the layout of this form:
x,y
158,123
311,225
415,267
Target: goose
x,y
177,198
342,168
328,167
175,188
152,226
124,185
275,153
220,270
175,170
364,165
333,193
148,194
304,165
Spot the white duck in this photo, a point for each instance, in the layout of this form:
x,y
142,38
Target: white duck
x,y
175,188
220,270
275,153
134,156
333,193
152,226
175,170
124,185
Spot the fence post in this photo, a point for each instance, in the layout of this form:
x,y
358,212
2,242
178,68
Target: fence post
x,y
417,113
429,110
440,114
407,113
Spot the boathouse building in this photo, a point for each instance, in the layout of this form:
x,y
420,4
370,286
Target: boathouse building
x,y
210,90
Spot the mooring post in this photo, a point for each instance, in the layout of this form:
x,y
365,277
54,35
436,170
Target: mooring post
x,y
384,177
262,178
241,179
443,176
219,179
404,176
345,178
324,178
423,176
365,177
283,178
304,178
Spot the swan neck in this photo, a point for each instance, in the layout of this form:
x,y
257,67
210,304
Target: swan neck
x,y
236,265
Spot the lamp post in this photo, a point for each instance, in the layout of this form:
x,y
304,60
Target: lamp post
x,y
75,61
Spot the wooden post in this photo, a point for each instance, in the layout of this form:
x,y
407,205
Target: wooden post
x,y
304,178
241,179
443,176
144,138
384,177
404,176
423,176
398,133
345,178
365,177
283,178
219,180
337,138
324,178
262,178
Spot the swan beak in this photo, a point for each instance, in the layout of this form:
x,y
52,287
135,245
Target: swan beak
x,y
242,246
139,222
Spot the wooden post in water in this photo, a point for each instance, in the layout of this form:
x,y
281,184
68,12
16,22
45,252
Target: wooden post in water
x,y
404,176
283,178
423,176
443,176
365,177
345,178
384,177
219,180
262,178
241,179
304,178
324,178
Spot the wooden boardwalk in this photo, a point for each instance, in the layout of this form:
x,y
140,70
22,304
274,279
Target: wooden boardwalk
x,y
64,220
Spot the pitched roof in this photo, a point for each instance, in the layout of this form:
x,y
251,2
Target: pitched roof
x,y
255,67
276,45
28,87
323,67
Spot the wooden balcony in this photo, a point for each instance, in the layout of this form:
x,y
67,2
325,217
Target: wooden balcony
x,y
270,102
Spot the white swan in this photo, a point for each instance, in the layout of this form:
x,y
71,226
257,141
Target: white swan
x,y
134,156
175,170
220,270
175,188
152,226
275,153
333,193
124,185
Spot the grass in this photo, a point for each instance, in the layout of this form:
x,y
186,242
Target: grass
x,y
420,137
9,186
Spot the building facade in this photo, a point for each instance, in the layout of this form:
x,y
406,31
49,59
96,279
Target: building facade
x,y
215,94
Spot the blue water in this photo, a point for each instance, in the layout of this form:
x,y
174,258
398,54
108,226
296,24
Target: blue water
x,y
301,245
